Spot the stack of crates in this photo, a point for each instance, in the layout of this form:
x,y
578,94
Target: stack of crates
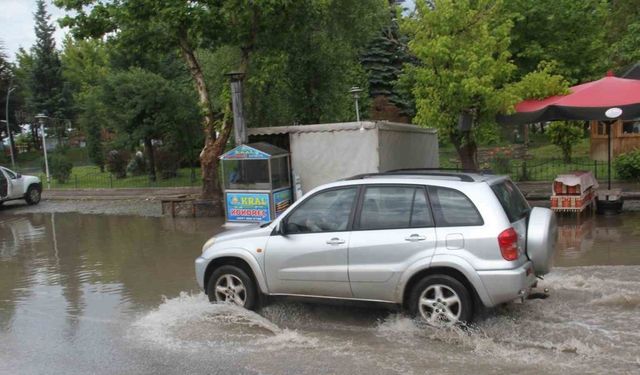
x,y
571,198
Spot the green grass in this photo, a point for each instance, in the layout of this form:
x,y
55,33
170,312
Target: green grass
x,y
90,177
544,151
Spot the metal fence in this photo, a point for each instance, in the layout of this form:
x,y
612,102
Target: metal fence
x,y
107,180
542,169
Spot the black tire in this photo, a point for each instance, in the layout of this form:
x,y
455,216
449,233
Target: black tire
x,y
33,196
448,286
250,294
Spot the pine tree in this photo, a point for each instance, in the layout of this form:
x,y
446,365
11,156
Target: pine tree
x,y
383,60
48,93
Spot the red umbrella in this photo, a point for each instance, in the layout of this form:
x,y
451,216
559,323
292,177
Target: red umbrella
x,y
588,101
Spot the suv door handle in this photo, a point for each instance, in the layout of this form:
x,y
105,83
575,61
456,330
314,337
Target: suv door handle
x,y
335,241
415,237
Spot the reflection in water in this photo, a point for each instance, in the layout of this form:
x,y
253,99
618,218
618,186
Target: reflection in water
x,y
599,240
137,259
111,295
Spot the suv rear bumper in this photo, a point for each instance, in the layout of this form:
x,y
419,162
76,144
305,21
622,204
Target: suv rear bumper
x,y
507,285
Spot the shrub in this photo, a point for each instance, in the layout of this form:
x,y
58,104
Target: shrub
x,y
60,167
167,164
502,163
138,165
627,165
117,163
565,134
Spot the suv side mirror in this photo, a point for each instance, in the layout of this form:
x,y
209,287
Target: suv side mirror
x,y
282,228
18,175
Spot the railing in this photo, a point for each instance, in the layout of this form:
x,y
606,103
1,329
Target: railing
x,y
106,180
541,169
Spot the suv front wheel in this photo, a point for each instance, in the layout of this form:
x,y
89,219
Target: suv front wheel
x,y
230,284
441,300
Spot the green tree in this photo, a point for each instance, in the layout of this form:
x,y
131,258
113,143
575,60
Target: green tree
x,y
144,106
85,66
571,34
465,68
6,81
48,91
463,48
304,68
564,134
165,26
383,59
623,32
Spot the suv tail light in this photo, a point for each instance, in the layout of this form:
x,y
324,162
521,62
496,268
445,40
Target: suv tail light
x,y
508,241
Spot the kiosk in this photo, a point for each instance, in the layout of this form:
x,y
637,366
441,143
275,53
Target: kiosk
x,y
257,182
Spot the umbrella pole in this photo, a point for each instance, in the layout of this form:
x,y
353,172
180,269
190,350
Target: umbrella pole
x,y
609,156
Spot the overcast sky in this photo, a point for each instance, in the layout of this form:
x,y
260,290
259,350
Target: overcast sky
x,y
16,24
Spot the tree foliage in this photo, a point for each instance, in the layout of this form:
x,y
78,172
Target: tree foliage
x,y
623,33
145,106
85,66
568,33
466,69
384,59
47,90
274,30
564,134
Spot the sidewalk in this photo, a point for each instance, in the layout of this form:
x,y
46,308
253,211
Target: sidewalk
x,y
541,190
119,194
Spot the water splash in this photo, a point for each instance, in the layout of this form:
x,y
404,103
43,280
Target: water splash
x,y
190,322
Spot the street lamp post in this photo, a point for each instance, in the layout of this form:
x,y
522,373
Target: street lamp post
x,y
355,91
41,117
13,161
613,114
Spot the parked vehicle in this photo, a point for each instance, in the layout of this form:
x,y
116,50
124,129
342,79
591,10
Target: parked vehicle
x,y
14,186
440,244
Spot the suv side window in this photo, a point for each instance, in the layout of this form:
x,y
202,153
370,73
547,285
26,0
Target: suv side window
x,y
515,205
394,207
10,174
452,208
327,211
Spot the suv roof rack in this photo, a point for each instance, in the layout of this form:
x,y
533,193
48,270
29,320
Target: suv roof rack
x,y
439,172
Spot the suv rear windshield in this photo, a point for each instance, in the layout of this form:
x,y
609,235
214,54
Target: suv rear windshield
x,y
512,200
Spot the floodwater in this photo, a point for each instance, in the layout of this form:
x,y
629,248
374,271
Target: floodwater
x,y
98,294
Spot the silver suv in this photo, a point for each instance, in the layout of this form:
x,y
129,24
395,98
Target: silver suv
x,y
438,243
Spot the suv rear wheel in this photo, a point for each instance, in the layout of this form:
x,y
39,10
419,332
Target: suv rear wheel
x,y
230,284
441,300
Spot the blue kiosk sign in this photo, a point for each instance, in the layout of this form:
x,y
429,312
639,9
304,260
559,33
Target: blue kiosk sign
x,y
257,182
251,207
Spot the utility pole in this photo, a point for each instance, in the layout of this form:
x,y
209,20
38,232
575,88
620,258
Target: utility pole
x,y
41,117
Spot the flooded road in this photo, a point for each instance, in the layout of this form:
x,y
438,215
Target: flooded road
x,y
99,294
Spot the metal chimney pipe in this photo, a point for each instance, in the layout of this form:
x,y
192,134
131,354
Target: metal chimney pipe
x,y
239,127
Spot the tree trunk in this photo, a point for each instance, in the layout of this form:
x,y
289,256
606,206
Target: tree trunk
x,y
213,145
467,150
152,159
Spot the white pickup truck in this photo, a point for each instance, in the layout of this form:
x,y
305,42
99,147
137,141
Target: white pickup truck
x,y
14,186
